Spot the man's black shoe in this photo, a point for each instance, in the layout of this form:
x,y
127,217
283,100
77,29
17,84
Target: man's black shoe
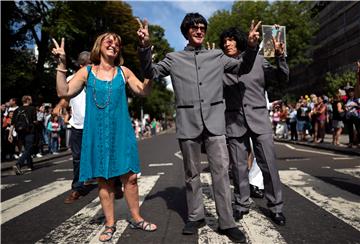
x,y
239,214
191,227
278,218
17,169
234,234
255,192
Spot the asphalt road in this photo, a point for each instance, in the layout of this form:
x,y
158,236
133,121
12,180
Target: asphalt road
x,y
321,192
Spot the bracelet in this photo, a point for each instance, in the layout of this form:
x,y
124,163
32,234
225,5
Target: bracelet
x,y
61,70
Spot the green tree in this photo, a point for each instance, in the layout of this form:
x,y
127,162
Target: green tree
x,y
338,80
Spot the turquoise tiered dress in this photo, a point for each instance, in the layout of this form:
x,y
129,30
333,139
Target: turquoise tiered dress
x,y
109,146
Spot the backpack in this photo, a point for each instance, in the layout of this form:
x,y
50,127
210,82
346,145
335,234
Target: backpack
x,y
22,123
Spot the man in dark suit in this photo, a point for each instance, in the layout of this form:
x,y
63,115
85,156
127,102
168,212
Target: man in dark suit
x,y
196,75
247,117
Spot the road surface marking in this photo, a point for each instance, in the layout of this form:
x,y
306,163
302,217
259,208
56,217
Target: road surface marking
x,y
293,168
310,151
342,204
161,165
61,161
62,170
355,172
160,173
326,167
179,155
256,227
29,200
7,186
343,158
86,225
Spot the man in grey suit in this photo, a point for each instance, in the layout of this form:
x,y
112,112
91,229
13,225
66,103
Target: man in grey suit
x,y
247,117
196,75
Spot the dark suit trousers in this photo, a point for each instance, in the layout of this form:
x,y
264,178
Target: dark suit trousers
x,y
264,152
218,158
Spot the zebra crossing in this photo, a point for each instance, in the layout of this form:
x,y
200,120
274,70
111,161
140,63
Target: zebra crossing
x,y
85,225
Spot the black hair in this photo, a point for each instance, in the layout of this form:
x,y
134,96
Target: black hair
x,y
239,36
192,19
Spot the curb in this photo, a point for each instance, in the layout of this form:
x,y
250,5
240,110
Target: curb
x,y
325,146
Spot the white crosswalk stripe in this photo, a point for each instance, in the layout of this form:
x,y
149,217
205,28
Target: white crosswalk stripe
x,y
342,204
256,227
355,172
27,201
86,225
7,186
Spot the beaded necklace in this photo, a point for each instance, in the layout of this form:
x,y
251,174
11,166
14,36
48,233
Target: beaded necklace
x,y
102,106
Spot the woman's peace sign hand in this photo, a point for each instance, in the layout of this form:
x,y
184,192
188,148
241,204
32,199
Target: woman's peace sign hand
x,y
59,51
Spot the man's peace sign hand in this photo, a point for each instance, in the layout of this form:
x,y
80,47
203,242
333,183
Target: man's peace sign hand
x,y
253,38
59,51
279,46
143,33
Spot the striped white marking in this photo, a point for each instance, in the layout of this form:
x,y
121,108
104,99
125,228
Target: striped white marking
x,y
287,145
161,165
293,168
61,178
179,155
62,170
256,227
326,167
355,172
160,173
27,201
204,162
7,186
309,151
342,204
86,225
61,161
27,181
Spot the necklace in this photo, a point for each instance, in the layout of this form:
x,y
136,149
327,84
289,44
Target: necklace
x,y
102,106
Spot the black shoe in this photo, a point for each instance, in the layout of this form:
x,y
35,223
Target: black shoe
x,y
191,227
239,214
278,218
17,169
234,234
255,192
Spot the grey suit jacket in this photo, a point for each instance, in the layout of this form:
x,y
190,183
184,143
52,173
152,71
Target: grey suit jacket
x,y
246,106
197,78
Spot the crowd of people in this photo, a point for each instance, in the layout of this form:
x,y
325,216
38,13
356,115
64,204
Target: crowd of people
x,y
311,117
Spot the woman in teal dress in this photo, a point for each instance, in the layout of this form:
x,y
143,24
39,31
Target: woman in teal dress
x,y
109,147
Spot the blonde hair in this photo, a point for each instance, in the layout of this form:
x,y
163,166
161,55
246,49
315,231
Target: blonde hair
x,y
96,53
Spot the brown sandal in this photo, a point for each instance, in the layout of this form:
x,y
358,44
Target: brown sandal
x,y
107,233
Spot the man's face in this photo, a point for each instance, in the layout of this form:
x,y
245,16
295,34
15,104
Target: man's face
x,y
230,48
196,35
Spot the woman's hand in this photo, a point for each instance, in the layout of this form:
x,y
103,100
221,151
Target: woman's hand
x,y
59,51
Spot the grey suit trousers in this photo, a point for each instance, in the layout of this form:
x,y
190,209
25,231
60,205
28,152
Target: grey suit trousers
x,y
219,163
264,152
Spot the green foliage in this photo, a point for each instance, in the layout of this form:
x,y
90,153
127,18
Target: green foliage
x,y
296,16
338,80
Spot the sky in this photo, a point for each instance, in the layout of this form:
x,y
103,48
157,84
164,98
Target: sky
x,y
169,14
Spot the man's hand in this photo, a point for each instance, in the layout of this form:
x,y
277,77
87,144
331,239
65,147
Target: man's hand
x,y
59,51
278,45
253,38
143,33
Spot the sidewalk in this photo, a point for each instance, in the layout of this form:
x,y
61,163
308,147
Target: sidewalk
x,y
326,145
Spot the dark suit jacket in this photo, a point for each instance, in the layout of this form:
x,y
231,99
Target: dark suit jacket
x,y
246,106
